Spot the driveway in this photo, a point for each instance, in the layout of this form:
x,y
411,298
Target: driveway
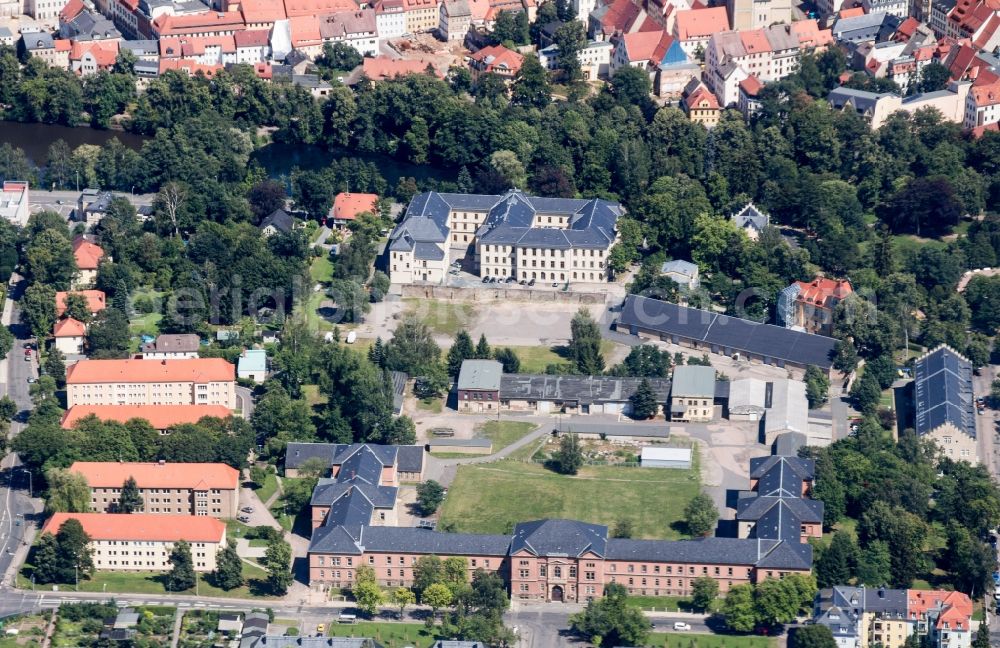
x,y
244,401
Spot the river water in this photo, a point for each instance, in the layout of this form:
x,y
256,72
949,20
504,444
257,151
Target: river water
x,y
277,159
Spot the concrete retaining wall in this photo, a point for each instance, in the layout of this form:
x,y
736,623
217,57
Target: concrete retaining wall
x,y
488,294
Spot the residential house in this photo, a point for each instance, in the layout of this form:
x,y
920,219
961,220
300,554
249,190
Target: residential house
x,y
6,36
91,57
751,220
646,50
96,301
809,306
43,10
88,257
595,59
252,46
277,222
355,28
348,206
55,52
390,18
456,19
749,97
615,18
380,68
694,27
361,490
683,273
863,28
199,381
526,237
710,332
777,507
943,406
161,417
144,543
15,202
77,23
91,206
403,463
478,386
898,8
954,103
692,394
70,336
198,489
421,15
172,346
252,365
701,106
982,105
756,14
976,20
495,59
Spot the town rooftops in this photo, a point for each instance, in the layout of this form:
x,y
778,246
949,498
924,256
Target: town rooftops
x,y
498,57
576,389
680,267
335,539
161,417
347,206
198,476
409,458
695,24
196,370
69,327
147,528
725,333
720,551
943,392
480,374
693,380
379,68
822,291
88,255
552,538
96,300
173,343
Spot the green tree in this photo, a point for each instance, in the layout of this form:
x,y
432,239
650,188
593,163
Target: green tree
x,y
412,348
130,500
68,492
875,564
181,576
38,309
812,636
623,529
402,597
610,621
6,340
704,591
508,358
460,351
779,601
55,366
645,404
108,336
49,259
701,515
45,557
427,570
531,84
483,351
436,596
817,386
838,562
8,408
568,459
982,639
278,563
866,393
430,494
903,532
228,572
933,77
571,39
585,344
74,557
368,595
644,360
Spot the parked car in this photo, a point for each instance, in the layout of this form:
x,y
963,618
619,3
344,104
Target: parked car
x,y
247,509
32,381
532,282
681,626
486,279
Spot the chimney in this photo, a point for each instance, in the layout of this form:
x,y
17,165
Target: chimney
x,y
162,462
163,362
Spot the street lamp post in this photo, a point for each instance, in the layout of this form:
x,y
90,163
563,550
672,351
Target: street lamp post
x,y
31,488
76,570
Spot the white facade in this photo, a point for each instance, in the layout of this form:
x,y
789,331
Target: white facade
x,y
70,345
982,106
898,8
253,54
390,19
43,9
14,202
595,59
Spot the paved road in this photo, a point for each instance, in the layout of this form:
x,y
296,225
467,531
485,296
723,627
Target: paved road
x,y
244,401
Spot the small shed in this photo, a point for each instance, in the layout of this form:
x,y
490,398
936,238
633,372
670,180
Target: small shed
x,y
252,365
127,618
461,446
653,457
231,623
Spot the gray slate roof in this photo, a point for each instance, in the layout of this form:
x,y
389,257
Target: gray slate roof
x,y
408,458
559,538
611,429
330,539
280,220
694,380
943,392
576,389
721,551
173,343
751,217
681,267
480,374
727,333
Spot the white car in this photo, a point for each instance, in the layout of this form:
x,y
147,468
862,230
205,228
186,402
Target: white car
x,y
681,626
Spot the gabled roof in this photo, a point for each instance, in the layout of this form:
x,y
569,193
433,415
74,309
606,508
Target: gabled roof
x,y
560,538
697,24
347,206
196,370
943,392
750,216
173,343
146,528
69,327
480,374
96,300
88,255
112,474
280,220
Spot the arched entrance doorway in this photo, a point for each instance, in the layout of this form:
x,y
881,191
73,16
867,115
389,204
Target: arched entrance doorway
x,y
557,593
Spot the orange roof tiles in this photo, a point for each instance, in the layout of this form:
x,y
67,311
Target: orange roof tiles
x,y
256,12
751,85
701,23
755,41
88,255
161,417
701,99
63,45
146,528
71,10
96,300
195,370
191,67
200,23
346,206
104,52
821,290
853,12
810,35
986,95
69,327
198,46
252,38
383,67
295,8
498,56
197,476
305,31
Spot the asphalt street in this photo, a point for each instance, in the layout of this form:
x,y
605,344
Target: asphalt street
x,y
64,202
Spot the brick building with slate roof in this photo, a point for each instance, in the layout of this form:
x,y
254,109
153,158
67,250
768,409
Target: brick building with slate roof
x,y
542,560
708,331
944,408
560,240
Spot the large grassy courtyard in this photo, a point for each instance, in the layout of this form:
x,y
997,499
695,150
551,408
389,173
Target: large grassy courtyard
x,y
490,498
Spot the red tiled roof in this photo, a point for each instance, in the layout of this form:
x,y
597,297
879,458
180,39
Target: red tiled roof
x,y
197,370
71,10
88,255
252,38
986,95
205,22
620,16
701,94
146,528
853,12
821,290
161,417
755,41
701,23
305,31
105,53
191,67
96,300
346,206
317,7
63,45
751,85
501,58
383,67
262,11
907,28
112,474
69,327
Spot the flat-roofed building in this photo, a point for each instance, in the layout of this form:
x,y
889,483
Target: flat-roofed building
x,y
196,381
14,201
144,542
692,394
199,489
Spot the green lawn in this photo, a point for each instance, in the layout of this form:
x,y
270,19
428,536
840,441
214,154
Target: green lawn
x,y
312,395
433,405
321,269
148,324
315,322
697,640
534,359
390,635
504,433
443,317
268,488
150,583
491,498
